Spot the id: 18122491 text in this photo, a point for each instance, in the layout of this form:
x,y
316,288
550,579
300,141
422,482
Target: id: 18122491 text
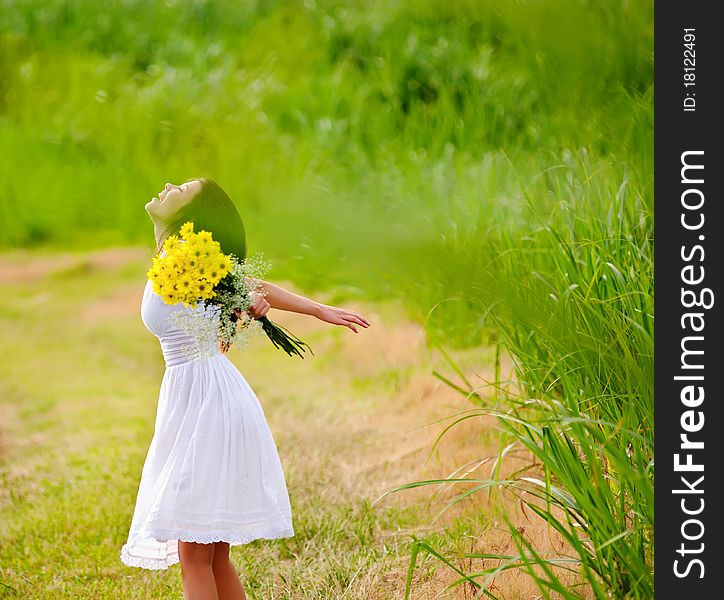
x,y
689,70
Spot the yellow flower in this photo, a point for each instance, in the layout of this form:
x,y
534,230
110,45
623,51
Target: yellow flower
x,y
214,275
204,237
196,250
185,282
171,244
203,288
182,262
186,230
193,265
207,261
165,279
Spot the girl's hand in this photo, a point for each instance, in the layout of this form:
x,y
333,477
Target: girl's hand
x,y
341,316
258,308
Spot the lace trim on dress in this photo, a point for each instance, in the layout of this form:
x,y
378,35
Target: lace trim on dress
x,y
269,533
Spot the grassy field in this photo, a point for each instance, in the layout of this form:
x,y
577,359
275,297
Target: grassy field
x,y
76,428
479,175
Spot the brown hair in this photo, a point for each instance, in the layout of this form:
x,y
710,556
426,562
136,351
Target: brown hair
x,y
210,209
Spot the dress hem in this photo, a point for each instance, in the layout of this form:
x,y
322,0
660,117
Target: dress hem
x,y
201,538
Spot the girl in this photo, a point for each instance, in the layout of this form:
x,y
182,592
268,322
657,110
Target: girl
x,y
212,476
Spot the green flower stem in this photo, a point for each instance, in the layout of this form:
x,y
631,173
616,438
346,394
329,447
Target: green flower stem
x,y
283,338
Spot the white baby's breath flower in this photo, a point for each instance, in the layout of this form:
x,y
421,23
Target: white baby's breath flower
x,y
201,324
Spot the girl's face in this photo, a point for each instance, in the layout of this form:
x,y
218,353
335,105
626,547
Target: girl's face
x,y
169,200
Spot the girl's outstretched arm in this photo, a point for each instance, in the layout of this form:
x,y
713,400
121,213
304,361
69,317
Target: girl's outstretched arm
x,y
278,297
282,299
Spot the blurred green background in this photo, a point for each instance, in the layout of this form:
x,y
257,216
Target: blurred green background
x,y
487,164
358,140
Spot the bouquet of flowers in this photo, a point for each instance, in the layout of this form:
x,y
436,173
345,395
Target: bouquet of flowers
x,y
218,287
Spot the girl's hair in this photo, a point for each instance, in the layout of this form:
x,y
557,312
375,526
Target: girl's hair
x,y
210,209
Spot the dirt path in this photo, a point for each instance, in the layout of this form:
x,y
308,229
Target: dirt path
x,y
23,266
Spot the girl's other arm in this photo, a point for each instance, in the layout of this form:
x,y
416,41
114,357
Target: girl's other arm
x,y
282,299
278,297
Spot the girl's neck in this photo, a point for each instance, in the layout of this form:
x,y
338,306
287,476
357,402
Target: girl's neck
x,y
157,229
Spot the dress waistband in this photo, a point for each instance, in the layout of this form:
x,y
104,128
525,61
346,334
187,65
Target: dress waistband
x,y
179,348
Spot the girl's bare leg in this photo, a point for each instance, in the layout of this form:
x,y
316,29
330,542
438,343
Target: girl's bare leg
x,y
196,572
228,583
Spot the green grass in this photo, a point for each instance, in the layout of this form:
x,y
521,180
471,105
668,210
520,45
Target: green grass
x,y
573,304
580,322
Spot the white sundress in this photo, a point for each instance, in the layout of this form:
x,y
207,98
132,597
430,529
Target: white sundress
x,y
212,472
